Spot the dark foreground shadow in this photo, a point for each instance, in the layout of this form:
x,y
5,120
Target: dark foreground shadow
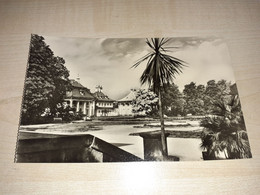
x,y
79,148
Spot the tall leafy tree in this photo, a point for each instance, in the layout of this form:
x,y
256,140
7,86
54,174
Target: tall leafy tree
x,y
161,69
193,96
45,83
189,93
215,91
200,91
224,89
173,102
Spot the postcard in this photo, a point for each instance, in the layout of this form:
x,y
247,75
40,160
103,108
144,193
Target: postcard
x,y
130,99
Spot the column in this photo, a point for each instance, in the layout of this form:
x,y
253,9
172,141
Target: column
x,y
84,108
71,103
93,103
77,106
90,109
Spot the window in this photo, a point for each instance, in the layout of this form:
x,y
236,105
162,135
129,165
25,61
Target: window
x,y
81,92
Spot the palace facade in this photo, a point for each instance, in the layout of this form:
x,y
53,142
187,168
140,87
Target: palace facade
x,y
81,98
97,103
125,104
104,105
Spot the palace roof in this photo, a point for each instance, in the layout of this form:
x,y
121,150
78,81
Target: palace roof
x,y
129,97
76,84
79,91
100,96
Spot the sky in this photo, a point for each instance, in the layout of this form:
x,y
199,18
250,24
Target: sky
x,y
108,62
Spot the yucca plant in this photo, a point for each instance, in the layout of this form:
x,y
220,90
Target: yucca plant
x,y
161,69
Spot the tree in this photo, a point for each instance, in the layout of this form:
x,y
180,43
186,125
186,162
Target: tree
x,y
45,84
214,92
189,93
173,102
201,92
225,131
161,69
194,96
223,89
145,102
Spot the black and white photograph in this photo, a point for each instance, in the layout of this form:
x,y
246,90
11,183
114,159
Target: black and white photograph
x,y
130,100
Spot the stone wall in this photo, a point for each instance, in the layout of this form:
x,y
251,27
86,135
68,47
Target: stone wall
x,y
83,148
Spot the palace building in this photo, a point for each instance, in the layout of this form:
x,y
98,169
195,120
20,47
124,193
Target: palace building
x,y
125,107
80,98
104,105
125,104
97,103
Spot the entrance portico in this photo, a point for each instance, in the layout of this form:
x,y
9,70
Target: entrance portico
x,y
85,106
80,98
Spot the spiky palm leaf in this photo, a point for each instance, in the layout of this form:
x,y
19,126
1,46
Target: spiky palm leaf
x,y
161,69
225,132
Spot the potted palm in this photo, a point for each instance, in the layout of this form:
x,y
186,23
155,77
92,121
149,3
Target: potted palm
x,y
160,70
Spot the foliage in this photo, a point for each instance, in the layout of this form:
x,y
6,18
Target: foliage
x,y
45,84
214,92
225,131
173,102
199,100
161,69
145,101
194,99
65,112
78,115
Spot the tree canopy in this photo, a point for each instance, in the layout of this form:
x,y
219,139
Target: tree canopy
x,y
46,81
173,101
194,99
